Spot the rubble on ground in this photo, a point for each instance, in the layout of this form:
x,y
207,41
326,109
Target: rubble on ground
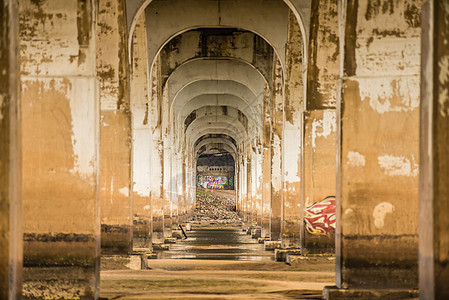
x,y
215,209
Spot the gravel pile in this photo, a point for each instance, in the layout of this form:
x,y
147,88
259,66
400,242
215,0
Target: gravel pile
x,y
215,209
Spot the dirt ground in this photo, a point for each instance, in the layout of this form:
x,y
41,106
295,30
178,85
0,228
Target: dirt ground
x,y
219,279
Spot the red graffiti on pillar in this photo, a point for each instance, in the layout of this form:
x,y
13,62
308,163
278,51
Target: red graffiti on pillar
x,y
320,217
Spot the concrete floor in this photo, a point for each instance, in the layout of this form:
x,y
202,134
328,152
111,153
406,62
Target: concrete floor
x,y
216,264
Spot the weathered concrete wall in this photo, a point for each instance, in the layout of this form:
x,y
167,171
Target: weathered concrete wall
x,y
319,176
115,128
142,212
60,149
378,153
294,94
434,159
277,120
10,156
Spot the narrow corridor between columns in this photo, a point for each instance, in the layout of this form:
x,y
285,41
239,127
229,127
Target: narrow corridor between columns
x,y
215,256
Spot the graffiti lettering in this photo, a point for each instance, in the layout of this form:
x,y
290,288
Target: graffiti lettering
x,y
215,182
320,217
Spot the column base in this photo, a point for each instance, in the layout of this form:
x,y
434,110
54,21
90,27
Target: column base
x,y
66,282
271,245
332,292
281,254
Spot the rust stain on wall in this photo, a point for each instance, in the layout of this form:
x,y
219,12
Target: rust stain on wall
x,y
294,82
376,7
124,74
83,23
323,64
350,64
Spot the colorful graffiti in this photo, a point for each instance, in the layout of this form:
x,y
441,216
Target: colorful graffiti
x,y
320,217
215,182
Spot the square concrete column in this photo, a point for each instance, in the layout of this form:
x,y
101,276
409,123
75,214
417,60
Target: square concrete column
x,y
319,146
10,156
266,164
60,121
156,152
142,210
318,200
434,159
257,194
378,151
277,119
115,130
249,186
293,107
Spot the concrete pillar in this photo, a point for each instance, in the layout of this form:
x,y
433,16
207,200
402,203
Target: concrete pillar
x,y
244,184
378,150
156,154
166,163
142,212
266,164
434,157
10,156
60,114
319,144
276,151
168,204
257,195
183,212
249,196
318,215
115,128
294,94
175,191
253,184
237,184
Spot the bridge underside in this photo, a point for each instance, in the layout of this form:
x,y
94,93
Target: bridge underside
x,y
332,116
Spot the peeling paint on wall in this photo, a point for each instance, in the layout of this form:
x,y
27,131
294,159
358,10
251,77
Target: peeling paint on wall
x,y
355,159
398,165
292,170
124,191
324,127
380,212
83,131
391,95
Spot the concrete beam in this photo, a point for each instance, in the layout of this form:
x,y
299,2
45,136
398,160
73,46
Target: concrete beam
x,y
215,70
269,20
